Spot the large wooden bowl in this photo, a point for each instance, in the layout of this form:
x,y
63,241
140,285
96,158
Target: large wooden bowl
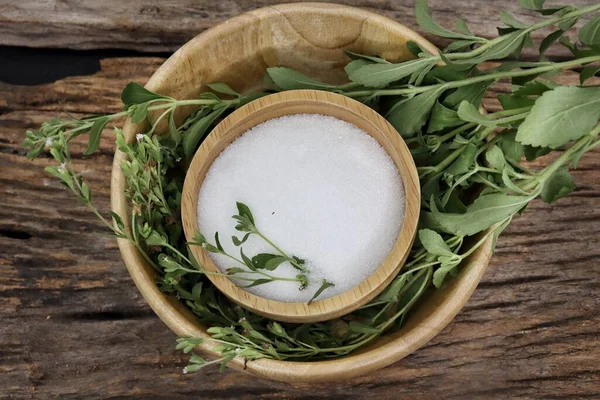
x,y
308,37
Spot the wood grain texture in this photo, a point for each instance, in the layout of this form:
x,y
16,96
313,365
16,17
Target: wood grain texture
x,y
163,26
305,102
73,325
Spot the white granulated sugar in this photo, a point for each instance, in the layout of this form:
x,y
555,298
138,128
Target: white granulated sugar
x,y
318,187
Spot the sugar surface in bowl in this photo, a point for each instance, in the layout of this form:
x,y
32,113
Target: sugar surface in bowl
x,y
320,188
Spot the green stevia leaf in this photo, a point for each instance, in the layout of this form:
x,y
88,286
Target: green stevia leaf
x,y
267,261
217,242
568,24
511,65
237,242
168,263
299,260
194,135
448,264
447,73
247,261
512,42
510,184
412,294
277,329
590,32
557,186
467,112
274,263
95,134
211,248
235,270
462,27
532,4
561,115
511,102
173,131
199,238
410,115
118,220
503,31
579,153
360,327
197,291
355,65
460,45
442,117
257,335
414,48
587,73
257,282
417,77
511,21
425,21
531,153
380,75
134,93
573,48
495,158
390,293
486,211
559,11
454,204
244,211
464,162
534,88
512,149
324,285
431,187
522,80
497,231
471,93
226,361
140,113
85,192
208,96
528,42
289,79
355,56
156,239
223,88
434,243
548,40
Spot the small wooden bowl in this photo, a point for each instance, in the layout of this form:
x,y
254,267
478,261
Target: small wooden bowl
x,y
305,102
309,37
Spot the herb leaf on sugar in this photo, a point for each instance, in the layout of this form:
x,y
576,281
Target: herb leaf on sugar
x,y
470,165
255,265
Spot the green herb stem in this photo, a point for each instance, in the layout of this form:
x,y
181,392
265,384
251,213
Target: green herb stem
x,y
564,158
283,253
477,79
542,24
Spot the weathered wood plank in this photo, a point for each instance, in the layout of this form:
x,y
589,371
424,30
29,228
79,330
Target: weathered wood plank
x,y
72,324
163,26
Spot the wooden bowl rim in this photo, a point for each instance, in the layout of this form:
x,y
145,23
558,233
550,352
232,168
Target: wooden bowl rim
x,y
315,102
385,350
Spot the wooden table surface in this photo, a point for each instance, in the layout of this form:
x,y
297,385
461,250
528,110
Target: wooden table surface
x,y
73,325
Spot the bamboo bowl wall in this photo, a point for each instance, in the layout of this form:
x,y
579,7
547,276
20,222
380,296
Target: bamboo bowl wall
x,y
309,37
